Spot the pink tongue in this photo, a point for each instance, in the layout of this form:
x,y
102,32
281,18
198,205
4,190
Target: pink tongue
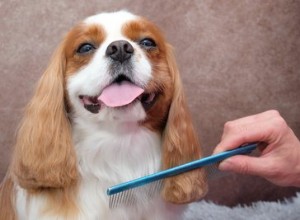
x,y
117,95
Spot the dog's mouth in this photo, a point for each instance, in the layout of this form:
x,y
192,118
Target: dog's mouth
x,y
119,94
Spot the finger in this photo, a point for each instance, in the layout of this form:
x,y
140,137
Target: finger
x,y
244,165
236,125
245,134
257,117
263,130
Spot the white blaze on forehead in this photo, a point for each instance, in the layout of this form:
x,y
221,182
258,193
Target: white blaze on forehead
x,y
111,22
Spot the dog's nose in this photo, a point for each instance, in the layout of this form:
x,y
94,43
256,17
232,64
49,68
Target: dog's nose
x,y
120,50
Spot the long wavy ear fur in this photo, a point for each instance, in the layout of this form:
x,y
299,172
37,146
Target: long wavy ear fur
x,y
44,156
181,145
7,199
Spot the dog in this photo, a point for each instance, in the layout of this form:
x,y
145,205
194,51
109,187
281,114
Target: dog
x,y
109,108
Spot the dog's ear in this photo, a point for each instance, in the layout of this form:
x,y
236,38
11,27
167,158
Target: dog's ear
x,y
181,145
44,155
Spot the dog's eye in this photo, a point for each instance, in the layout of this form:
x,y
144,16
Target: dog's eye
x,y
85,48
147,43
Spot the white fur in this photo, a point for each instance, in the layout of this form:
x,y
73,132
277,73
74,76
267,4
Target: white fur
x,y
107,156
111,146
94,77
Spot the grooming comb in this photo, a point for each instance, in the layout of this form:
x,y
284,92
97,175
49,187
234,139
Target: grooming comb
x,y
131,192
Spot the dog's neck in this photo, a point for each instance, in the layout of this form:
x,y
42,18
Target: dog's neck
x,y
116,151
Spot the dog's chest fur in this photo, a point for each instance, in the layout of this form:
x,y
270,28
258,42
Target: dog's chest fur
x,y
107,155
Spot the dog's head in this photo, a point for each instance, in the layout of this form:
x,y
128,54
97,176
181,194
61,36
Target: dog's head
x,y
111,68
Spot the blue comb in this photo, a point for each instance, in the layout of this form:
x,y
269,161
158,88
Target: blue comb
x,y
116,192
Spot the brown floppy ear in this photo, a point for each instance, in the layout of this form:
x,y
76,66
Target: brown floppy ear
x,y
181,145
44,156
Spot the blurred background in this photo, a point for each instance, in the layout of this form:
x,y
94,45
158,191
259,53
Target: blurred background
x,y
236,57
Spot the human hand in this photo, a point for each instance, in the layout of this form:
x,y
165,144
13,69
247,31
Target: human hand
x,y
279,161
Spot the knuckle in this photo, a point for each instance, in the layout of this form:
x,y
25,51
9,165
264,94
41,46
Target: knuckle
x,y
273,112
280,123
229,125
277,129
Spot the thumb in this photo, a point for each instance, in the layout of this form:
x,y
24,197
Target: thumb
x,y
244,165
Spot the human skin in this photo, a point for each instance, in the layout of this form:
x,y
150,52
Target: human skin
x,y
279,159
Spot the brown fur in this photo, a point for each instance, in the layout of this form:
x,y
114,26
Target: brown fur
x,y
80,34
181,145
7,199
44,160
170,115
161,82
44,155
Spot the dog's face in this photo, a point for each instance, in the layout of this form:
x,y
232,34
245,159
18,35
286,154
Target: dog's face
x,y
112,67
117,70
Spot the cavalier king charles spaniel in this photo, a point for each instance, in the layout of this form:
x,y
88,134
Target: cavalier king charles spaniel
x,y
109,108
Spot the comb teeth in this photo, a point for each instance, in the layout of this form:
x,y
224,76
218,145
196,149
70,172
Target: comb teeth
x,y
143,194
140,195
142,189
